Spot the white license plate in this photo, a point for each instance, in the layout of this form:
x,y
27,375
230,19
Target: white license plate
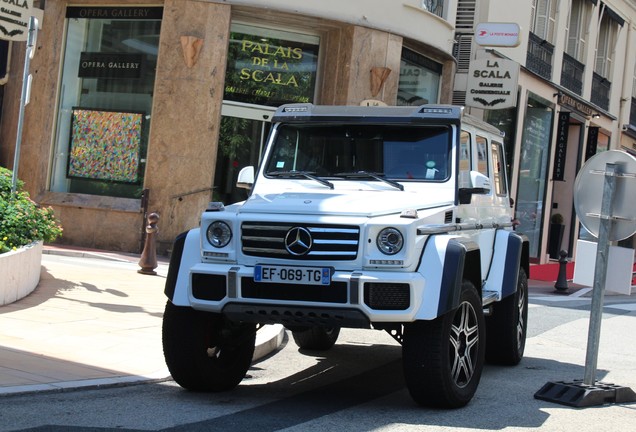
x,y
292,275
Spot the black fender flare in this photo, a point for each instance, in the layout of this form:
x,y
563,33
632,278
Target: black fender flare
x,y
461,261
175,262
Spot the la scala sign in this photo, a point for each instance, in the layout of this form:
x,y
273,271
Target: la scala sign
x,y
14,19
492,83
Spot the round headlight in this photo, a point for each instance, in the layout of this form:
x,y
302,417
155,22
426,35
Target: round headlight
x,y
219,234
390,241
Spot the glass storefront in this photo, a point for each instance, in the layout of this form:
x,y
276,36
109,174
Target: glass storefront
x,y
104,112
242,139
533,170
270,67
419,79
265,69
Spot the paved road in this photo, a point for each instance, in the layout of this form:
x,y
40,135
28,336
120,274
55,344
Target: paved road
x,y
358,386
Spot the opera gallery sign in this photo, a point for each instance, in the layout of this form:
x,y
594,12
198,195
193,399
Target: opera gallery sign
x,y
14,19
492,83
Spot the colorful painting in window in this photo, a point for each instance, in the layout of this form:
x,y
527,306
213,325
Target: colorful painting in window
x,y
105,145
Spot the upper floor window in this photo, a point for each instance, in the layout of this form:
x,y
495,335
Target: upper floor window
x,y
543,13
606,43
434,6
578,25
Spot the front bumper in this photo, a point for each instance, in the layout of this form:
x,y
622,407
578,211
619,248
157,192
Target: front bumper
x,y
352,299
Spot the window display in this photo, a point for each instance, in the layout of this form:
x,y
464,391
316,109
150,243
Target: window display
x,y
105,108
105,145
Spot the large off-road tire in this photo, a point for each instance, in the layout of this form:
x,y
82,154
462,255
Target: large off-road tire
x,y
507,326
316,338
204,351
443,359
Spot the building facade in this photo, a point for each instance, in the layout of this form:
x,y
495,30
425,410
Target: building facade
x,y
154,106
576,97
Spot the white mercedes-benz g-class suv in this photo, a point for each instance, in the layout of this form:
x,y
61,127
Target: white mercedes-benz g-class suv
x,y
389,218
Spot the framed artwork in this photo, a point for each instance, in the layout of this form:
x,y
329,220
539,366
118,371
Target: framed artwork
x,y
105,145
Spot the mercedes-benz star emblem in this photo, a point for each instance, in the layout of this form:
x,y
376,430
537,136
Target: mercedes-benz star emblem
x,y
298,241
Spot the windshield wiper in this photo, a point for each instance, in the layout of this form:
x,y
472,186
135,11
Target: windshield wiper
x,y
373,175
307,174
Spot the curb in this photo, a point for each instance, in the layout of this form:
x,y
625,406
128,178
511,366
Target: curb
x,y
268,340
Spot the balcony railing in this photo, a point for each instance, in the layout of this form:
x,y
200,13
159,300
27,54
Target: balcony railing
x,y
600,91
539,59
632,113
572,74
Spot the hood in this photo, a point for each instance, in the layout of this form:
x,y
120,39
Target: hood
x,y
361,203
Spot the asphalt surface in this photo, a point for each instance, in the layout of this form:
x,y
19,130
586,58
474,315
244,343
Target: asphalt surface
x,y
94,321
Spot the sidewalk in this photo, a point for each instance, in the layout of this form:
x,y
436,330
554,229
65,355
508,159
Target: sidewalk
x,y
94,321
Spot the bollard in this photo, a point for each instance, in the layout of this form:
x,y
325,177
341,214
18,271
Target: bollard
x,y
561,284
148,260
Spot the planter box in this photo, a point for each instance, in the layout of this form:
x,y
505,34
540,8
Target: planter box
x,y
20,272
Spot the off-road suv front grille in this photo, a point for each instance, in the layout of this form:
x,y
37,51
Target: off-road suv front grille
x,y
300,241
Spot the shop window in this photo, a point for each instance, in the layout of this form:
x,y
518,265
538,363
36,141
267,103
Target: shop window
x,y
270,67
108,74
265,69
419,79
533,170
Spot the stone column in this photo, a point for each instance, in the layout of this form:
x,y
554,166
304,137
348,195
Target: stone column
x,y
186,113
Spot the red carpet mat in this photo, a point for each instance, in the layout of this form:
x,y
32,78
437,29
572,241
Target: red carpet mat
x,y
550,272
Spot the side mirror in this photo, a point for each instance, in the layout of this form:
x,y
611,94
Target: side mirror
x,y
479,184
245,178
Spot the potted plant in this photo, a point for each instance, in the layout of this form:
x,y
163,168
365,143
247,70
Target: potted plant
x,y
24,226
557,228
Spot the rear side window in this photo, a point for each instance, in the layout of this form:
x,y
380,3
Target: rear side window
x,y
501,186
465,151
482,155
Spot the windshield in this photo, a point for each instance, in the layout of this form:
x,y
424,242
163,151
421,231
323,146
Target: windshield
x,y
400,152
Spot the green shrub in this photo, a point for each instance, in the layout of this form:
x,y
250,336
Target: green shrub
x,y
22,221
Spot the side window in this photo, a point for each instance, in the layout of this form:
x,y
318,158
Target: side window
x,y
499,171
482,155
464,159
